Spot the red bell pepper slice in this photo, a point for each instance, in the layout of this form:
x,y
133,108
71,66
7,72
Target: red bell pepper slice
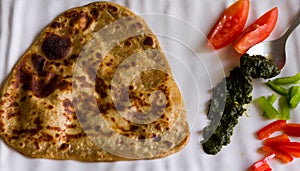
x,y
277,139
292,151
262,165
266,131
295,145
293,129
283,143
290,144
293,148
279,153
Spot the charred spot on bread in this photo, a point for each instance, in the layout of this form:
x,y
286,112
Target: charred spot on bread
x,y
38,63
149,41
56,47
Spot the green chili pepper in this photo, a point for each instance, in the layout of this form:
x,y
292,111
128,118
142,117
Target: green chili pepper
x,y
267,107
277,88
287,80
294,96
271,99
284,108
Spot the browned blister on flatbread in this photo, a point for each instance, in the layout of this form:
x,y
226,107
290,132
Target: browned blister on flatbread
x,y
93,86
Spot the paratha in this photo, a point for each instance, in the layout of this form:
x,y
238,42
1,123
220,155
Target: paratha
x,y
94,86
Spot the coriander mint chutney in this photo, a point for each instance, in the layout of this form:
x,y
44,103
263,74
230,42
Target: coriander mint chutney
x,y
229,98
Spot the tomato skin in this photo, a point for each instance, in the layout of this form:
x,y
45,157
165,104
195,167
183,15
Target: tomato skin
x,y
256,32
230,24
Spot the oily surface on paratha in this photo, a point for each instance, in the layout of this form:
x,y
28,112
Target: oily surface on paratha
x,y
84,94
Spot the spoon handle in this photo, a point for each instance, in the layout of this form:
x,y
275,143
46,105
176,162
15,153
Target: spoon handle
x,y
295,23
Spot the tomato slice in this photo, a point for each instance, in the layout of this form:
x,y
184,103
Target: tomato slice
x,y
256,32
266,131
293,129
229,25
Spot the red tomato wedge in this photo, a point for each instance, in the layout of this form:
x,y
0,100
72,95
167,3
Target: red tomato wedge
x,y
229,25
256,32
266,131
293,129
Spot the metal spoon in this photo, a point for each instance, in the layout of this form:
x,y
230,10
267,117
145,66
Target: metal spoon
x,y
275,49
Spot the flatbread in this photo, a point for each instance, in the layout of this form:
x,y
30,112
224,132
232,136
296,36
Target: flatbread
x,y
93,86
